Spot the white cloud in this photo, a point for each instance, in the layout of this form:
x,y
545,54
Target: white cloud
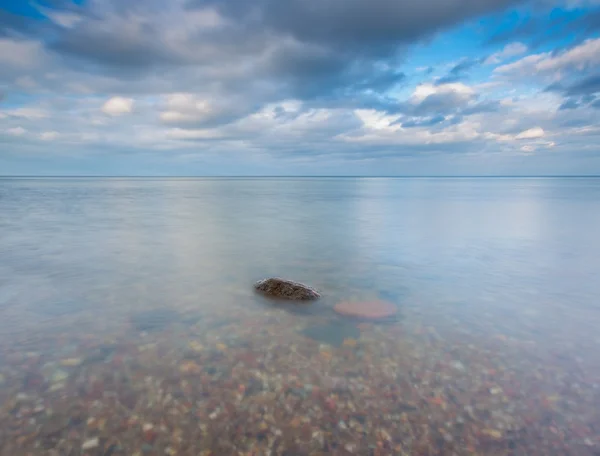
x,y
27,113
584,56
49,135
459,89
192,110
375,120
118,106
186,108
179,133
16,131
528,149
532,133
510,50
64,19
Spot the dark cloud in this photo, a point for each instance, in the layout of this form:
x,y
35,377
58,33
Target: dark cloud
x,y
578,94
466,65
304,48
588,85
569,104
440,103
459,71
482,107
309,73
369,25
575,102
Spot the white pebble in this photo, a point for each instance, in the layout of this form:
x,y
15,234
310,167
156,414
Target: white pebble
x,y
89,444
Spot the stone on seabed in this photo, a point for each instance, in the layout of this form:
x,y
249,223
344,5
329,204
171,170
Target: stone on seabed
x,y
286,289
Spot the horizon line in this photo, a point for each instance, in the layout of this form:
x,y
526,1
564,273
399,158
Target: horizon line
x,y
424,176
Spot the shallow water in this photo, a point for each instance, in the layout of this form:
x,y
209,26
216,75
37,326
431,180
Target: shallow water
x,y
127,314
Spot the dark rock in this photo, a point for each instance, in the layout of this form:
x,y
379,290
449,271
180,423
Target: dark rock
x,y
286,289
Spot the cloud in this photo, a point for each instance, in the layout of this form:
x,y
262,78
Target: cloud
x,y
510,50
293,80
30,113
187,110
49,135
430,99
532,133
16,131
297,48
579,58
118,106
587,85
359,24
569,104
179,133
20,54
458,71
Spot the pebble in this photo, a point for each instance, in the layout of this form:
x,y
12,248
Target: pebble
x,y
493,433
59,376
90,444
196,346
56,387
458,366
71,362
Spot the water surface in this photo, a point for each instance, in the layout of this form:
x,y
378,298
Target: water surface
x,y
132,299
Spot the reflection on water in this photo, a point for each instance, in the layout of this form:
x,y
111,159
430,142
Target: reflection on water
x,y
128,321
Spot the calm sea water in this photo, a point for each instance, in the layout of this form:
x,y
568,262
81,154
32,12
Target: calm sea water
x,y
509,266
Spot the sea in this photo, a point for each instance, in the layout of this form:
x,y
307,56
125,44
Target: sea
x,y
129,323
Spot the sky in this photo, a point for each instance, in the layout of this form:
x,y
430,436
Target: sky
x,y
299,87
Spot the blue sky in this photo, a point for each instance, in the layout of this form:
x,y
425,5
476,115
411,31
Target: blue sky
x,y
302,87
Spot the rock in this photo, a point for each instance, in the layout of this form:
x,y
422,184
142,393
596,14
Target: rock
x,y
286,289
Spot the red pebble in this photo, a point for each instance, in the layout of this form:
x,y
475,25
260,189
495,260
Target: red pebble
x,y
150,436
330,405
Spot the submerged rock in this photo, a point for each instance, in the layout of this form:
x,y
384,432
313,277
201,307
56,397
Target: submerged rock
x,y
286,289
